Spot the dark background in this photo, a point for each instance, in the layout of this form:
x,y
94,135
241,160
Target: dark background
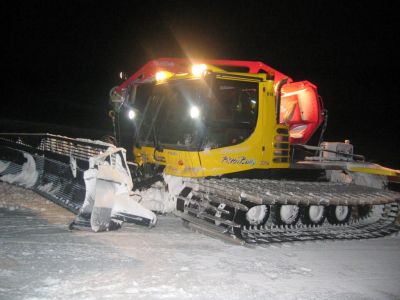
x,y
61,59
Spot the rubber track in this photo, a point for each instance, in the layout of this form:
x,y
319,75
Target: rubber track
x,y
272,192
386,225
294,192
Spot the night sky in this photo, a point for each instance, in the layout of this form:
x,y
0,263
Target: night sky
x,y
61,59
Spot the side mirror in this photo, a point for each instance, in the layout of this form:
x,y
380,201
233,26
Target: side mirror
x,y
116,100
123,75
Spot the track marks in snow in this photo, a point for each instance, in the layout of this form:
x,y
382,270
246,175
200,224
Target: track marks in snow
x,y
43,260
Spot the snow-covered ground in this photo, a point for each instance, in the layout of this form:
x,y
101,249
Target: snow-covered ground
x,y
41,259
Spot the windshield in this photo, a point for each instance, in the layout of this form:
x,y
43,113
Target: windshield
x,y
191,115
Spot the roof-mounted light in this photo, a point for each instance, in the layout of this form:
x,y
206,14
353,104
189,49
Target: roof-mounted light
x,y
199,70
163,75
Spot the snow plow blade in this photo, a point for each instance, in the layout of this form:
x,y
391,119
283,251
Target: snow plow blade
x,y
89,178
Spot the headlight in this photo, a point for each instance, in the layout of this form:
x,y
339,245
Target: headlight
x,y
194,112
131,114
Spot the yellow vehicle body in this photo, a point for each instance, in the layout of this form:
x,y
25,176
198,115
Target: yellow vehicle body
x,y
266,148
230,125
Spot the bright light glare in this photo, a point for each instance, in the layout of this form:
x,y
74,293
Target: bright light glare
x,y
297,132
194,112
131,114
161,75
287,94
199,70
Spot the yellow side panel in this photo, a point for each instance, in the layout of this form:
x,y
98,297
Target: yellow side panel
x,y
177,162
183,163
241,157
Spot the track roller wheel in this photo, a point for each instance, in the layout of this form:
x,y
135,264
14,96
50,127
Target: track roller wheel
x,y
257,215
313,214
338,214
285,214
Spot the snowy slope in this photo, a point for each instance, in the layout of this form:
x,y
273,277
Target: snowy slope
x,y
41,259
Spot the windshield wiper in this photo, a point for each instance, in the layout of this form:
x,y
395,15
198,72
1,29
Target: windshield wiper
x,y
152,129
157,144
